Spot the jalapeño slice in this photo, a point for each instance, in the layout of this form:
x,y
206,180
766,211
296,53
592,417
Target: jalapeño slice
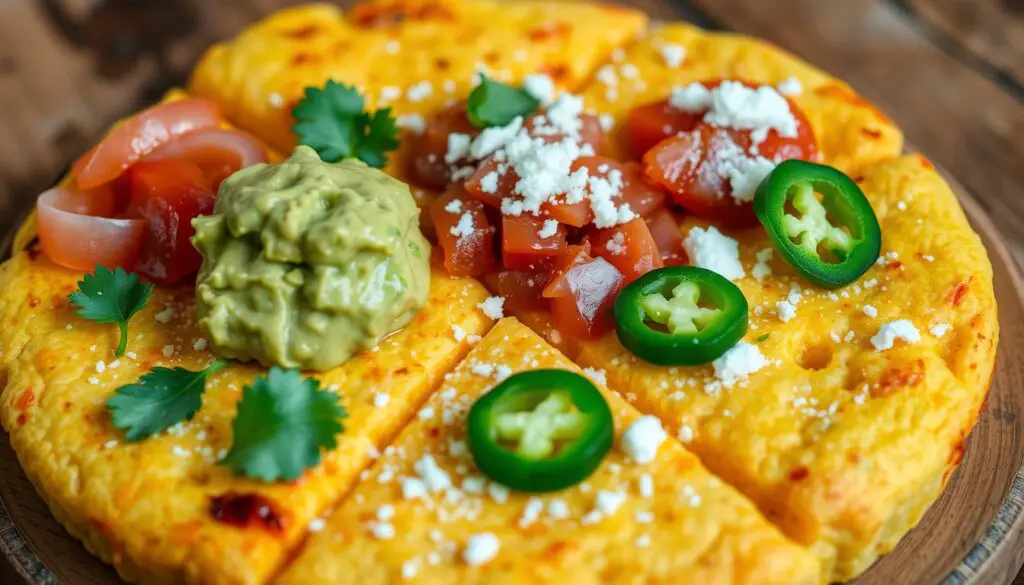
x,y
831,241
680,315
540,431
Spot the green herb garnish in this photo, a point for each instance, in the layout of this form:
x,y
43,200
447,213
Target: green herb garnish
x,y
111,297
283,422
495,104
332,122
159,400
762,338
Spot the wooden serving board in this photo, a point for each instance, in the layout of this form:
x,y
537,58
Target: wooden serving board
x,y
973,535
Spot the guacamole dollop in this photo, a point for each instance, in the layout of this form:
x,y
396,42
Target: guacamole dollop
x,y
306,263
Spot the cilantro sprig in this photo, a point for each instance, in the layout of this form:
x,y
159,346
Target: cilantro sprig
x,y
284,421
159,400
107,296
495,104
332,122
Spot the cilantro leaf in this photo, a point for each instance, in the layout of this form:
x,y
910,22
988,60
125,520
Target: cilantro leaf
x,y
283,422
160,399
332,122
111,297
495,104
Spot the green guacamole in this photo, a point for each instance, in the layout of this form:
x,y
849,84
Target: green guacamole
x,y
307,263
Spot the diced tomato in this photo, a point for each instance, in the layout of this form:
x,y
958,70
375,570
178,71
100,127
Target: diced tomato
x,y
689,159
522,246
522,288
649,124
505,184
168,194
629,247
582,292
429,168
147,131
642,196
590,132
667,236
469,254
76,229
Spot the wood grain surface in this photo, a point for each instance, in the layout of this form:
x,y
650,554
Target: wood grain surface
x,y
950,72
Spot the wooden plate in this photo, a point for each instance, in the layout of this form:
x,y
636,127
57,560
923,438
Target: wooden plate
x,y
972,535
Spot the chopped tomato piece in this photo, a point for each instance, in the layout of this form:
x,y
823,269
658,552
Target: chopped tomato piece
x,y
522,245
649,124
582,292
140,135
168,194
629,247
590,132
429,167
522,288
488,189
76,230
465,233
573,255
667,236
642,196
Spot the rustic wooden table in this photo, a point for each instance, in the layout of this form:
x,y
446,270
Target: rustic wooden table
x,y
950,72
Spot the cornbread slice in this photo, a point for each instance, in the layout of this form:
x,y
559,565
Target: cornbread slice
x,y
149,507
668,521
847,413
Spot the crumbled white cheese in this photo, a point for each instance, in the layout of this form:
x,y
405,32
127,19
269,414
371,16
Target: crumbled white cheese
x,y
165,316
389,93
382,531
458,147
643,541
893,330
381,399
738,363
870,311
672,53
167,351
481,548
385,512
413,488
558,509
100,367
607,75
643,438
474,484
685,433
629,71
709,248
549,229
532,511
790,86
609,502
541,87
734,105
762,268
646,486
410,569
420,91
616,245
493,307
411,122
316,525
458,333
786,311
434,478
940,329
199,344
464,227
498,492
598,376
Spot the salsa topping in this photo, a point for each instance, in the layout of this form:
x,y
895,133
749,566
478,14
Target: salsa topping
x,y
111,296
541,430
133,196
680,315
332,121
308,263
820,221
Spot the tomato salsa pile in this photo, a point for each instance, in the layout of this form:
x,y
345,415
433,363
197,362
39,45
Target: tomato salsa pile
x,y
565,254
132,197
